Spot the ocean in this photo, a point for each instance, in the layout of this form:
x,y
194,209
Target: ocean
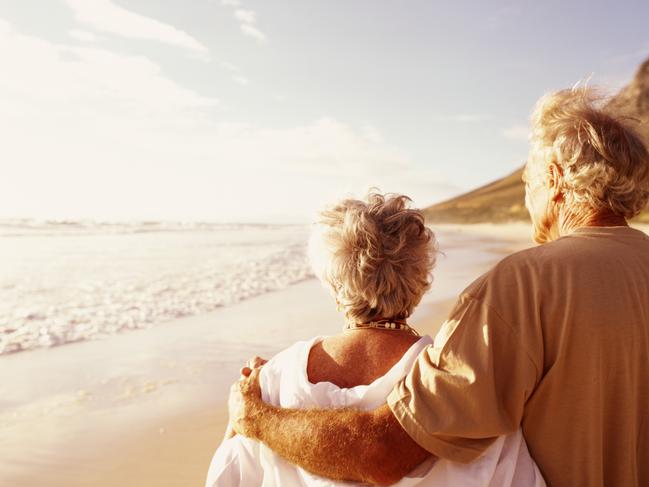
x,y
70,281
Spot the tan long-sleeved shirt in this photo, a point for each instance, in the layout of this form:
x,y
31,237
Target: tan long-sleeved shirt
x,y
556,339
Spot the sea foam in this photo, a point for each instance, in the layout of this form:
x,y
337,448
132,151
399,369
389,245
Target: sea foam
x,y
69,282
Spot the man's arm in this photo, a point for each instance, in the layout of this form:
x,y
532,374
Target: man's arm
x,y
341,444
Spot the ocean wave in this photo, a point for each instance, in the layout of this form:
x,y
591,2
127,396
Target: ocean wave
x,y
53,228
51,308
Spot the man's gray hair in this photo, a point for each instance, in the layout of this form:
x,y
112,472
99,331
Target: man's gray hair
x,y
605,163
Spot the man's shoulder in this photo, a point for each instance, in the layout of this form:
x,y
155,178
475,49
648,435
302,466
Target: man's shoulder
x,y
521,268
538,257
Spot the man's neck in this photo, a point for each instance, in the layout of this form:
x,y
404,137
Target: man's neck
x,y
573,221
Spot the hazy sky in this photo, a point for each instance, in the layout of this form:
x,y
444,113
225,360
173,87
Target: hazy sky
x,y
251,110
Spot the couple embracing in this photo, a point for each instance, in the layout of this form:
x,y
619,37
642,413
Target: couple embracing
x,y
539,376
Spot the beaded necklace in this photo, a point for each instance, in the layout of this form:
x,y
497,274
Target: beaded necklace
x,y
388,324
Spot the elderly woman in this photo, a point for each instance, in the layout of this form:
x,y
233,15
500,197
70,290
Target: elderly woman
x,y
376,257
553,339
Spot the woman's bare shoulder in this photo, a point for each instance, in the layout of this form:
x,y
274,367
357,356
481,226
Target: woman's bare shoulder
x,y
356,358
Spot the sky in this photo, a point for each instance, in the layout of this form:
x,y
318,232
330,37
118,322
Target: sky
x,y
263,111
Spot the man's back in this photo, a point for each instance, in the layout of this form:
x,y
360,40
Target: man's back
x,y
556,339
587,422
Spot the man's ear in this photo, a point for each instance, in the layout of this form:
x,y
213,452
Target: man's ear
x,y
554,177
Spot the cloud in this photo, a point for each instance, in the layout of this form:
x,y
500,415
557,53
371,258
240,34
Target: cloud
x,y
324,147
229,66
83,35
5,27
62,81
517,132
242,80
469,118
105,16
89,133
252,31
372,133
245,16
47,72
247,21
462,118
237,76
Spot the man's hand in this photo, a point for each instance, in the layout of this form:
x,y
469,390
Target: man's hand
x,y
245,403
326,442
253,363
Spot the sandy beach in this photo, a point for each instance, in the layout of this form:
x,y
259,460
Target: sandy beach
x,y
147,407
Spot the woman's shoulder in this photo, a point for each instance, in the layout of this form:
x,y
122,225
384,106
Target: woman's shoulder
x,y
293,352
359,359
286,370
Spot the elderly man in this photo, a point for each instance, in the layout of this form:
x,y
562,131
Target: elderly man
x,y
554,339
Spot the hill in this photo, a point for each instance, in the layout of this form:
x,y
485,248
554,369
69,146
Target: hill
x,y
504,200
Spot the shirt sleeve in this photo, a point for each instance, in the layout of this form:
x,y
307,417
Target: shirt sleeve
x,y
470,387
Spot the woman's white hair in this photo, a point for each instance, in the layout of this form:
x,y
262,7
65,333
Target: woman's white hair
x,y
377,256
604,162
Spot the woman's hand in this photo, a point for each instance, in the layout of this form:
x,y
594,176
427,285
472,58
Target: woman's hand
x,y
253,363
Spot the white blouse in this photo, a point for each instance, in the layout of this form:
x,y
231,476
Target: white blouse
x,y
243,462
